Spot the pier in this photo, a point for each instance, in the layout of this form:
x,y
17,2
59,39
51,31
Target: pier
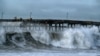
x,y
52,24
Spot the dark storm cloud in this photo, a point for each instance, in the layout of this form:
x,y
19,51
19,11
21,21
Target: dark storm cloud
x,y
77,9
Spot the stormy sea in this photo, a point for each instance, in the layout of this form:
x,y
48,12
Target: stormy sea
x,y
19,39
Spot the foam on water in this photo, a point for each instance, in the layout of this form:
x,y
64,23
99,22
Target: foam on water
x,y
41,36
71,38
2,36
82,38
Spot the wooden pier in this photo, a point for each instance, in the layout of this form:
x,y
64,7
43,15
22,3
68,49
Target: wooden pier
x,y
54,24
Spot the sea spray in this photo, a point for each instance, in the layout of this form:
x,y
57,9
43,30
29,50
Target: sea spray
x,y
64,42
41,36
71,38
2,36
81,38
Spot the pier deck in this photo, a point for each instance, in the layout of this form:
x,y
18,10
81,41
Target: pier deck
x,y
53,24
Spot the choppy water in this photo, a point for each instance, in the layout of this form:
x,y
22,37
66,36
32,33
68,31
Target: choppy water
x,y
70,38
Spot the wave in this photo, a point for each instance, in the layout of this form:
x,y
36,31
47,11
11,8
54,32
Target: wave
x,y
71,38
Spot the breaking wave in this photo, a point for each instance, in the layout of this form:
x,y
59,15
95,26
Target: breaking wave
x,y
71,38
80,38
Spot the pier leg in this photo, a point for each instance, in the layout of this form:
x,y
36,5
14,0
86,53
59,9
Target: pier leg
x,y
55,27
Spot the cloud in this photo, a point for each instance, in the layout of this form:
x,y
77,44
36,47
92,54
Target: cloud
x,y
77,9
1,5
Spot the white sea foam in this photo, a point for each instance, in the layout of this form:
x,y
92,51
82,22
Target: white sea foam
x,y
81,38
73,38
41,36
2,36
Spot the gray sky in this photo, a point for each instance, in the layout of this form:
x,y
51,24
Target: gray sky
x,y
55,9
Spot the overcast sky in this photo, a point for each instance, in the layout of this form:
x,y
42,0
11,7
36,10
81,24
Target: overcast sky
x,y
54,9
